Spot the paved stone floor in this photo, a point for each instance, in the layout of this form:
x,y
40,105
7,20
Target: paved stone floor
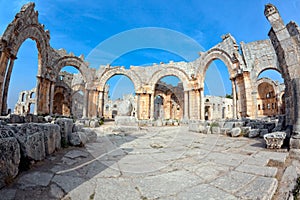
x,y
154,163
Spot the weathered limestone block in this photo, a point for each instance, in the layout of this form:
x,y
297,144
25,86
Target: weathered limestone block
x,y
239,124
77,127
159,122
253,133
125,121
225,131
94,123
78,139
246,130
41,119
215,130
274,140
48,118
66,126
9,155
295,142
90,134
196,127
270,126
12,118
31,140
263,132
52,137
229,125
31,118
125,108
236,132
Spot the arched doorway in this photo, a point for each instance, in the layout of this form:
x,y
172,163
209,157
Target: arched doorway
x,y
270,89
169,98
67,102
118,88
218,91
22,81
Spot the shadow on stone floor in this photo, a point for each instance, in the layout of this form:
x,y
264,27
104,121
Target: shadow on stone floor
x,y
69,168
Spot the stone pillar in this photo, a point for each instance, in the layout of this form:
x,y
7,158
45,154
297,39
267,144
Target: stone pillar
x,y
255,106
202,107
3,66
138,106
92,103
186,105
234,104
51,100
100,103
296,100
152,106
85,104
42,96
6,85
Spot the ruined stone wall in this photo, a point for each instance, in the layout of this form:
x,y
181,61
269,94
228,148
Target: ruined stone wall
x,y
243,61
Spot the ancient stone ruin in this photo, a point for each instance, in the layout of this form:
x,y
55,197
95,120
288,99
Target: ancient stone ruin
x,y
257,108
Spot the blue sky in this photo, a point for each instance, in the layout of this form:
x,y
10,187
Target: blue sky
x,y
80,26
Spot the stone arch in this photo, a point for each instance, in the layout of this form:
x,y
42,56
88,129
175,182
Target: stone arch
x,y
169,71
213,54
136,80
269,81
73,61
25,26
260,70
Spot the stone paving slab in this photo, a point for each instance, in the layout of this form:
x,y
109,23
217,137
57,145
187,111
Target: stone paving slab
x,y
257,170
164,163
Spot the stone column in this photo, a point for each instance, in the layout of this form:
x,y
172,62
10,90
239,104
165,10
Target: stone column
x,y
85,104
255,106
6,85
138,106
202,111
3,66
100,103
152,106
51,100
234,104
186,105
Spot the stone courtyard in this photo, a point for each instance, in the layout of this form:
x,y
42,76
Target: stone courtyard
x,y
166,142
156,163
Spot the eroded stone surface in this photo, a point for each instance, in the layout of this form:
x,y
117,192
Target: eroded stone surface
x,y
186,165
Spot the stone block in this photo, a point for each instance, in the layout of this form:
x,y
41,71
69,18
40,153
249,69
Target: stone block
x,y
90,134
263,132
77,127
294,143
66,126
196,127
31,139
48,118
269,126
274,140
12,118
215,130
52,137
94,123
159,122
253,133
246,130
225,131
236,132
9,156
229,125
126,121
78,139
